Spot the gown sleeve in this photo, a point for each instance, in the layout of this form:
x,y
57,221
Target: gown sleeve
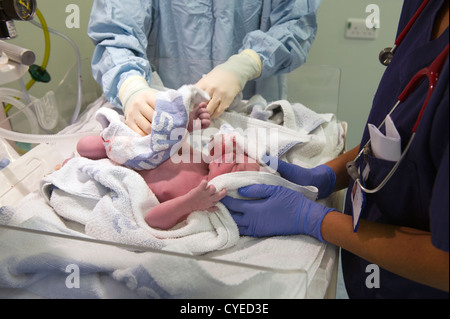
x,y
119,29
287,32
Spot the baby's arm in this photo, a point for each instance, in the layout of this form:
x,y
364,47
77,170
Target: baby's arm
x,y
169,213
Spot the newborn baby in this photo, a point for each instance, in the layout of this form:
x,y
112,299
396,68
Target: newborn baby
x,y
182,188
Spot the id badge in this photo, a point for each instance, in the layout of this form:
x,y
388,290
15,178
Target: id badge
x,y
358,198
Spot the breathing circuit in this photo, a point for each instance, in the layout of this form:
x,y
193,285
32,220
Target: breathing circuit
x,y
46,112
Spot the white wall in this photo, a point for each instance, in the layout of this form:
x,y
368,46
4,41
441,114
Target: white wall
x,y
357,59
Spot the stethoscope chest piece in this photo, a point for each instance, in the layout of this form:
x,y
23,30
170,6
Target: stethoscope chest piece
x,y
386,56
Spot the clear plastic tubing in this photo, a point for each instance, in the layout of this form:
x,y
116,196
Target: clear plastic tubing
x,y
38,139
33,138
78,60
22,107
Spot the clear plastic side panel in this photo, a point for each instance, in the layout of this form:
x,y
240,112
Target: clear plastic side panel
x,y
37,119
315,86
36,265
60,106
22,176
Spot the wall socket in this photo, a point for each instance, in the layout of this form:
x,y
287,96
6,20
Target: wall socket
x,y
357,29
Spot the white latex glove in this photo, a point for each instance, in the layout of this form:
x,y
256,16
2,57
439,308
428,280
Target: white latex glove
x,y
138,101
226,80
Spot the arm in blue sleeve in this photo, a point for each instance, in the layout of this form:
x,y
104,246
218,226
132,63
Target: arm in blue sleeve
x,y
286,35
439,206
119,29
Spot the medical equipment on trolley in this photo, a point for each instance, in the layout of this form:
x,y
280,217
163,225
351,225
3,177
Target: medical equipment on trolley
x,y
11,10
14,61
42,114
387,54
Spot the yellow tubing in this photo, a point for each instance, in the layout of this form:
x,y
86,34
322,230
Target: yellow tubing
x,y
47,45
46,53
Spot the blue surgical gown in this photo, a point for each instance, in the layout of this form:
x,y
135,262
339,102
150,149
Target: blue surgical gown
x,y
417,194
182,40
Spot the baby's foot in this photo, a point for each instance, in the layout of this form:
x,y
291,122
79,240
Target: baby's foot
x,y
92,147
199,118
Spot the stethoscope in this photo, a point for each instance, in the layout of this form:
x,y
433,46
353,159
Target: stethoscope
x,y
432,74
387,54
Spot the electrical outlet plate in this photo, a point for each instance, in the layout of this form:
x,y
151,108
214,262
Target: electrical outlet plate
x,y
357,29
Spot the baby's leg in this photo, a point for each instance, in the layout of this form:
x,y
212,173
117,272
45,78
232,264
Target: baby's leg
x,y
169,213
91,147
199,118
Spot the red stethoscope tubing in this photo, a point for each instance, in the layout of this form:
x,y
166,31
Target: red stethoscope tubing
x,y
432,73
387,54
411,23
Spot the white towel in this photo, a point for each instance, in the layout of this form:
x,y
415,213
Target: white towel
x,y
293,132
233,181
111,202
169,129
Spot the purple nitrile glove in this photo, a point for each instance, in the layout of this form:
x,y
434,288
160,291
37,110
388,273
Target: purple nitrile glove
x,y
275,210
322,176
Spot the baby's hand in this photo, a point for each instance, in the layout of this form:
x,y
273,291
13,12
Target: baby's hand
x,y
205,197
199,118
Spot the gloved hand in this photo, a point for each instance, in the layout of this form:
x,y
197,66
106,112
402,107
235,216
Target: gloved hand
x,y
322,176
138,101
226,80
275,211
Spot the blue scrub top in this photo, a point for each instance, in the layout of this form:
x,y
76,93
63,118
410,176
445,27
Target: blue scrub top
x,y
417,194
184,40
